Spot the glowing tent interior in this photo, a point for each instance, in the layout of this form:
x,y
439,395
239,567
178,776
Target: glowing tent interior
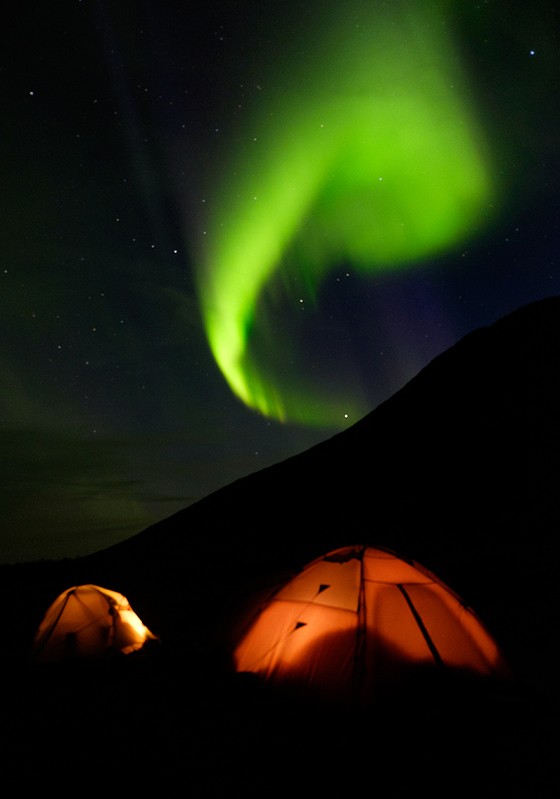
x,y
357,622
89,622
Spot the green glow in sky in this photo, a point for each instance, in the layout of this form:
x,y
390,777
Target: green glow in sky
x,y
359,150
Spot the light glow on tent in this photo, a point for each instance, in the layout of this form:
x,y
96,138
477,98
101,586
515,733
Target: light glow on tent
x,y
88,622
360,151
358,618
131,634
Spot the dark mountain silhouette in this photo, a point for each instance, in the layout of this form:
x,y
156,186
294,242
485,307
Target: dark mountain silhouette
x,y
458,470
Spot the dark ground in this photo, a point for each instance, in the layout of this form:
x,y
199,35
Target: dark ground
x,y
158,722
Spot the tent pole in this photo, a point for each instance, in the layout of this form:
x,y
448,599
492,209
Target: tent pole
x,y
53,626
359,653
431,646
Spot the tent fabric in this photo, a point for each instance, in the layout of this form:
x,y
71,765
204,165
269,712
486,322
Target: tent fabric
x,y
89,622
359,619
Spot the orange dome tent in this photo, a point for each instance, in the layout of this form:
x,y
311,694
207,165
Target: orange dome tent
x,y
88,622
356,621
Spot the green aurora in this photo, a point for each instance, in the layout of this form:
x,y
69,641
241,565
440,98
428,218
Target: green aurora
x,y
359,151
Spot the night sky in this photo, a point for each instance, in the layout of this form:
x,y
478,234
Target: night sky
x,y
231,229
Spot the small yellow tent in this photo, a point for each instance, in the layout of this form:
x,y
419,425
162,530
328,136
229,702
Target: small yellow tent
x,y
356,621
88,622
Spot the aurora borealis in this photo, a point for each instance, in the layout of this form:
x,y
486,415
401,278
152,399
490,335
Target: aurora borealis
x,y
364,154
229,230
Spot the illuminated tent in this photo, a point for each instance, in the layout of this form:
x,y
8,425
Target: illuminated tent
x,y
358,622
89,622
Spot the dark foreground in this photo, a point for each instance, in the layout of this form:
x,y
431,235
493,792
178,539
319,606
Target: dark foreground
x,y
157,721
